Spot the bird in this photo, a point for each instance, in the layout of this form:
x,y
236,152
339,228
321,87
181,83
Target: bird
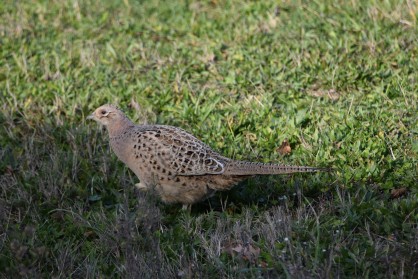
x,y
180,167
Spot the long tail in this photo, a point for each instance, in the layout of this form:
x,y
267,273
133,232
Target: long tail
x,y
253,168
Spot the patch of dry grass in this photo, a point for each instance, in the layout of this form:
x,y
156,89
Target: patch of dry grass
x,y
337,81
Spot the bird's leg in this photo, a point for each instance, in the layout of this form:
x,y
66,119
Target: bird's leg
x,y
141,186
186,208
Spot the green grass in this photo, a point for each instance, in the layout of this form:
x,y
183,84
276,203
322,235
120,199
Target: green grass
x,y
337,79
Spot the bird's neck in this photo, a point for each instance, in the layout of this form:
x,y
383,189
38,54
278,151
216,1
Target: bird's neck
x,y
119,127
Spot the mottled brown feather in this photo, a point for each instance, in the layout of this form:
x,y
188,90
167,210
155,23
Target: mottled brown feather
x,y
179,166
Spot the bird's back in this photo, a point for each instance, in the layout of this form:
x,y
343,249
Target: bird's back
x,y
181,167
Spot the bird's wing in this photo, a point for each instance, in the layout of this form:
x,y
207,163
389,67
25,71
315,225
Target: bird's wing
x,y
182,154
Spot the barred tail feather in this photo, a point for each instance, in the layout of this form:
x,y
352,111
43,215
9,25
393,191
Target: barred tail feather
x,y
254,168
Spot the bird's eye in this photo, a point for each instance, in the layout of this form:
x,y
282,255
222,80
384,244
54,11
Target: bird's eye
x,y
103,112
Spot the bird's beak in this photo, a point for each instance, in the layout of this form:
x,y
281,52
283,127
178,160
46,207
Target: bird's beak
x,y
91,116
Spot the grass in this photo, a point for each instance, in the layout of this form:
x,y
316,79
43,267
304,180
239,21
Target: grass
x,y
337,79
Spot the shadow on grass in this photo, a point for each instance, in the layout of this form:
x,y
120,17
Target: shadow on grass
x,y
69,209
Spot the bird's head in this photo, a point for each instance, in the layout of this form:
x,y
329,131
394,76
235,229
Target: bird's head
x,y
107,115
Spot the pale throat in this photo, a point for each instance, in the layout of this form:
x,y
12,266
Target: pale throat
x,y
119,126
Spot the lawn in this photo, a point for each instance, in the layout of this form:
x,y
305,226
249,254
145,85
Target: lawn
x,y
337,80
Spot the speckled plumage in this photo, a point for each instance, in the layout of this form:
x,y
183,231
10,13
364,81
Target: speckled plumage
x,y
181,167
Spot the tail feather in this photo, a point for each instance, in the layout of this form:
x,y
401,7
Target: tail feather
x,y
254,168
